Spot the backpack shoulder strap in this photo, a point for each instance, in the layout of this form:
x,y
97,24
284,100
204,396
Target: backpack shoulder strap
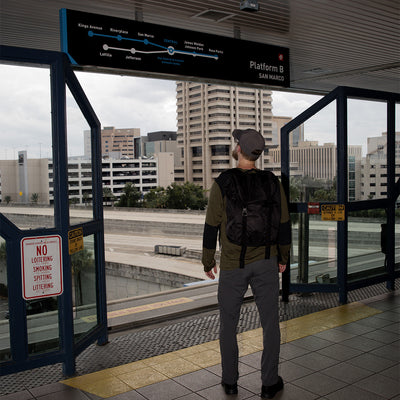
x,y
234,185
230,179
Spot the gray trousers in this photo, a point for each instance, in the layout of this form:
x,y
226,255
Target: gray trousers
x,y
263,277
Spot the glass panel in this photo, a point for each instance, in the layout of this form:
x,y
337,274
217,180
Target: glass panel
x,y
80,185
312,158
42,325
315,263
5,351
26,146
397,172
313,167
367,149
365,257
397,236
84,288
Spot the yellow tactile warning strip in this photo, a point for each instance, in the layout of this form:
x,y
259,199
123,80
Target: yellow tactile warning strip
x,y
138,309
113,381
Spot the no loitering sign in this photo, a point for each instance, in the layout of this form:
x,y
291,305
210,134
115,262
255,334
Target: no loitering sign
x,y
41,267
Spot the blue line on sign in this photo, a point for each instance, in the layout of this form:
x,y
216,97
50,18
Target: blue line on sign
x,y
170,50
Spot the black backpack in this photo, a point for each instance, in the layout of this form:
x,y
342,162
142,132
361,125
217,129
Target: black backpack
x,y
252,208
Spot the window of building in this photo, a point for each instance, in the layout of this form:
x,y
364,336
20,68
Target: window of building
x,y
197,151
217,162
220,150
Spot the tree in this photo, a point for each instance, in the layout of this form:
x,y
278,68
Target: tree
x,y
155,198
108,195
34,198
7,199
307,188
294,190
324,195
86,198
3,252
80,261
130,197
188,196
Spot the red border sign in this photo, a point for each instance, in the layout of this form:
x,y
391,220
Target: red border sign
x,y
313,208
41,260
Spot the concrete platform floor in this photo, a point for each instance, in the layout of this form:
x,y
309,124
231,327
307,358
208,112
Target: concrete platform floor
x,y
341,352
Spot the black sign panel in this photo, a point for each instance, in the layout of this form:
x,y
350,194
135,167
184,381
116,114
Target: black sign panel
x,y
103,41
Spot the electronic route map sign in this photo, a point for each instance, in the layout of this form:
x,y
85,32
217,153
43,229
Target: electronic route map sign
x,y
116,43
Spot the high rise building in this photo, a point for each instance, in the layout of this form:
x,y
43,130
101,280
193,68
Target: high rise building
x,y
295,137
310,159
374,177
157,142
115,143
207,114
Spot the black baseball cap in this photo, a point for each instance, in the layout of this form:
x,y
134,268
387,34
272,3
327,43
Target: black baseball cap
x,y
250,141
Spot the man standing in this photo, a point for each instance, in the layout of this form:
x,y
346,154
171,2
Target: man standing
x,y
247,204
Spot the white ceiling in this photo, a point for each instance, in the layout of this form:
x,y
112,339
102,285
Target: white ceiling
x,y
332,42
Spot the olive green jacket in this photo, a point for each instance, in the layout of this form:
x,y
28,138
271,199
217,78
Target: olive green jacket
x,y
230,253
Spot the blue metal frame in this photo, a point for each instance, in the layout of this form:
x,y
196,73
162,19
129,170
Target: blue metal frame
x,y
61,75
340,95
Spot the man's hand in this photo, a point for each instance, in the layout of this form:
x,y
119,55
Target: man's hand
x,y
210,274
282,267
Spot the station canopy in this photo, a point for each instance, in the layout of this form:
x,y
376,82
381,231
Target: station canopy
x,y
331,43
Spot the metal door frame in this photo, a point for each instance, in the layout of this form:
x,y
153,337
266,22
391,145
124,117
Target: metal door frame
x,y
61,75
341,95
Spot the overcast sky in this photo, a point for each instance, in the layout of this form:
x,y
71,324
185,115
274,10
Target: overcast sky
x,y
148,104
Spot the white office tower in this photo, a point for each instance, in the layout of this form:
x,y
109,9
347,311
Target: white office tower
x,y
207,115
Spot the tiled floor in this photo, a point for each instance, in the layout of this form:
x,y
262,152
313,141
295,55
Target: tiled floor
x,y
348,352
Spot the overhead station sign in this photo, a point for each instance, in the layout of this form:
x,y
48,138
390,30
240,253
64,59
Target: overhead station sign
x,y
102,41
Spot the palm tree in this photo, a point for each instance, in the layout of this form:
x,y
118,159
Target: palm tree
x,y
34,198
80,261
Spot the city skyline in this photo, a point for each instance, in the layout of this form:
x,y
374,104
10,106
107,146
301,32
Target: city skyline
x,y
144,103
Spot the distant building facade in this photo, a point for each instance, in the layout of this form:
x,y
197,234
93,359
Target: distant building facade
x,y
374,178
157,142
117,142
295,137
144,173
32,180
317,161
24,180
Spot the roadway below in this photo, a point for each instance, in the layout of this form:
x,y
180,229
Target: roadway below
x,y
132,235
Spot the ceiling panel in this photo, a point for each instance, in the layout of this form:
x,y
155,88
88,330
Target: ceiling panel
x,y
354,43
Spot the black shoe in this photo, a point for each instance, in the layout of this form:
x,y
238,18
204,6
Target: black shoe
x,y
230,389
269,392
